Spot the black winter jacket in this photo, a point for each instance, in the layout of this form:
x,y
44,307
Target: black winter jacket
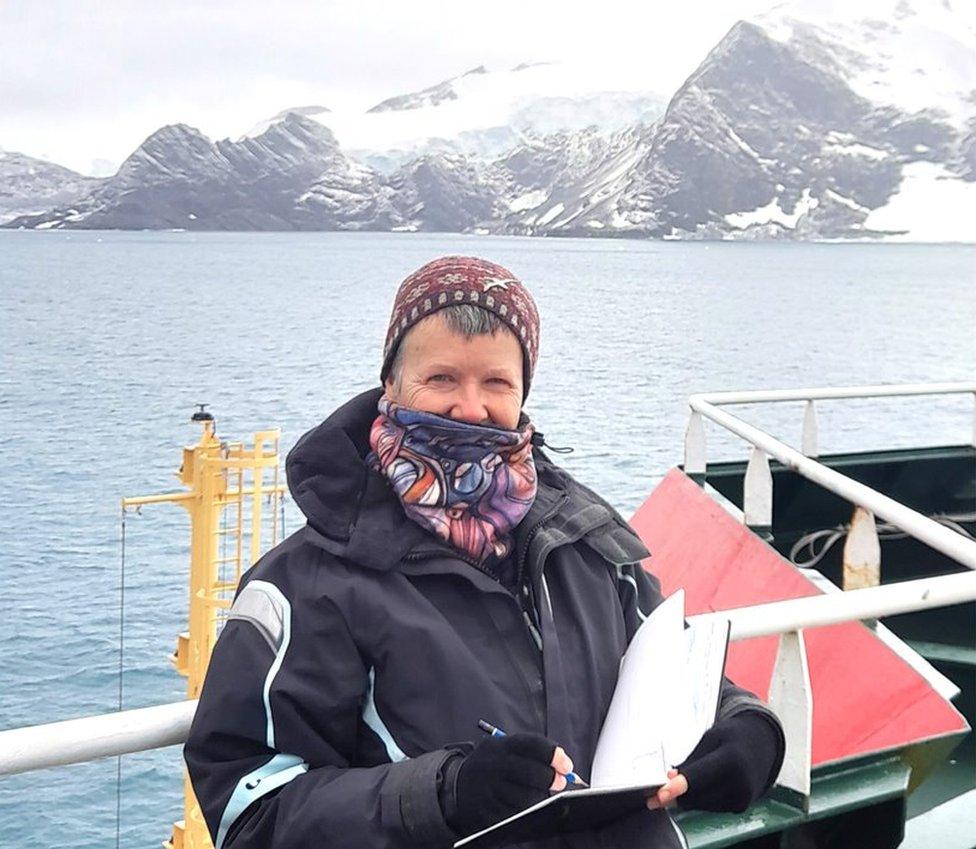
x,y
361,651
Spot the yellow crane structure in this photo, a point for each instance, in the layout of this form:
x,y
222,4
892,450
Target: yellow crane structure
x,y
234,497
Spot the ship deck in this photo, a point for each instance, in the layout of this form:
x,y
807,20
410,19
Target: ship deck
x,y
939,482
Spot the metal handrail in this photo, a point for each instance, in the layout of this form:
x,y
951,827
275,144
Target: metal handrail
x,y
124,732
826,393
781,617
91,737
939,537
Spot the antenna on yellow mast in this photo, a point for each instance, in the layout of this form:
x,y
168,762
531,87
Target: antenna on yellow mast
x,y
231,482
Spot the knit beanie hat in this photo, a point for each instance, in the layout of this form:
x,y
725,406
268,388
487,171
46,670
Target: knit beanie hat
x,y
453,280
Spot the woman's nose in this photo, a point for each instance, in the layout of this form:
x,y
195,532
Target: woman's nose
x,y
469,406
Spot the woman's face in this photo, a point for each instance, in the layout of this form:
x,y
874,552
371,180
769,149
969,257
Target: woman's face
x,y
476,380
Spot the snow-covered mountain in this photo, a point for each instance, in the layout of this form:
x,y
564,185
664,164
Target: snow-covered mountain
x,y
483,114
558,183
912,55
444,192
434,95
860,123
29,185
179,179
792,128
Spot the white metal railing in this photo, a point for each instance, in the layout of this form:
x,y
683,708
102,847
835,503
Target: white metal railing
x,y
790,691
91,737
124,732
758,485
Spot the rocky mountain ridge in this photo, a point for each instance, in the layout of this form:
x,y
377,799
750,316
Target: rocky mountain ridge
x,y
789,129
31,186
179,179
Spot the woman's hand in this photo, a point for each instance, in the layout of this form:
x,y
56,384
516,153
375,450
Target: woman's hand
x,y
500,777
675,786
733,763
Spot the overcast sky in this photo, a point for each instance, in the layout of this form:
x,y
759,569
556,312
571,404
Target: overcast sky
x,y
80,82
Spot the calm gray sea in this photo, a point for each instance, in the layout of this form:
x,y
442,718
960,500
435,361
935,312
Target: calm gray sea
x,y
108,340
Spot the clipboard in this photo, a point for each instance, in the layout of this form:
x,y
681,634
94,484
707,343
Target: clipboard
x,y
665,699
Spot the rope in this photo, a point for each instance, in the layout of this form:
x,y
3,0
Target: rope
x,y
829,536
118,767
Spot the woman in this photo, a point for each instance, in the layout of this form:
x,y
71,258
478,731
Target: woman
x,y
448,572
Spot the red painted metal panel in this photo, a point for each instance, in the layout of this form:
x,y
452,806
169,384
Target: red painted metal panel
x,y
866,698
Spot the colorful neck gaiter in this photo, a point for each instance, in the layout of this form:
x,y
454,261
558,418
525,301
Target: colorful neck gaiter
x,y
468,484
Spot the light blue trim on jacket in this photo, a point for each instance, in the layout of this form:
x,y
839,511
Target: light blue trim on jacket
x,y
630,579
259,782
372,718
276,594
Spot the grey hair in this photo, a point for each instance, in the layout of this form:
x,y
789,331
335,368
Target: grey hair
x,y
466,320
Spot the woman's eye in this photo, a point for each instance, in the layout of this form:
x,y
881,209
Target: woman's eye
x,y
440,378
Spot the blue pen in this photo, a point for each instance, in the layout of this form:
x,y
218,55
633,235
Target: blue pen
x,y
495,731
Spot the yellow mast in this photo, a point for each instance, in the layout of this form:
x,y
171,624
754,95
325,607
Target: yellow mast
x,y
227,484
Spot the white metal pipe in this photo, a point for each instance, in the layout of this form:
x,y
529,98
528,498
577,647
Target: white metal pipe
x,y
757,491
92,737
809,441
778,617
791,699
833,392
941,538
696,459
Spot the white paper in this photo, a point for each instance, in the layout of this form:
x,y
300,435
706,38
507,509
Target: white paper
x,y
696,698
665,699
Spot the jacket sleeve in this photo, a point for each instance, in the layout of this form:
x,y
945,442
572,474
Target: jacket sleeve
x,y
272,748
640,593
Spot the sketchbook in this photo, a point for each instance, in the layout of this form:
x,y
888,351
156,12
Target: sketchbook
x,y
665,699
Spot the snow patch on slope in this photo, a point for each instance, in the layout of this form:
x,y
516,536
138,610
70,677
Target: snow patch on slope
x,y
530,200
931,205
845,143
773,213
551,214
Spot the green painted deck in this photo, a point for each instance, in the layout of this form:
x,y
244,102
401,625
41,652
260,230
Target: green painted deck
x,y
871,793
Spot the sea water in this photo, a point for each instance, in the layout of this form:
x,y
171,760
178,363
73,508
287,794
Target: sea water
x,y
110,340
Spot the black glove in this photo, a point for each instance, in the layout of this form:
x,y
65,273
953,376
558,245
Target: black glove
x,y
734,763
500,777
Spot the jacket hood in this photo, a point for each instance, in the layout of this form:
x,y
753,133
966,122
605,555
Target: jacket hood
x,y
354,513
351,508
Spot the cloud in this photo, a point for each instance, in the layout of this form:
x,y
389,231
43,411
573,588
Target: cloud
x,y
85,81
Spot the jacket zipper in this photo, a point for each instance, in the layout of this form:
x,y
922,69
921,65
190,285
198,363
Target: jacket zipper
x,y
531,630
532,633
527,541
531,627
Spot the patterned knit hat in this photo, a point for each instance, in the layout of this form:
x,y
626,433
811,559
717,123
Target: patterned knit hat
x,y
454,280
